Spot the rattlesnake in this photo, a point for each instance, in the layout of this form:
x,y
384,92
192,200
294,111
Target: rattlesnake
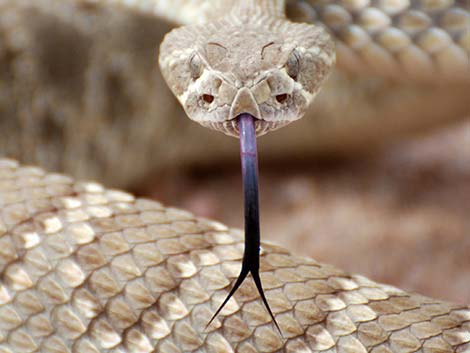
x,y
245,64
87,269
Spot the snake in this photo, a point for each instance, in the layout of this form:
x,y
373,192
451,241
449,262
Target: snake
x,y
87,269
247,61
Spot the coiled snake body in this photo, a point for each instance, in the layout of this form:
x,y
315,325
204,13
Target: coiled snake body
x,y
86,269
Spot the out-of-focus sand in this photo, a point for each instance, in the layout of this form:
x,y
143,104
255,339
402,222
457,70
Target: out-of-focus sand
x,y
402,218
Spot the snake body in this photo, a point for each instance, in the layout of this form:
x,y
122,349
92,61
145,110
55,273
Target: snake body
x,y
87,269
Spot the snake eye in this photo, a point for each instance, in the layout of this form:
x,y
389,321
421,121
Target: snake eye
x,y
293,65
207,98
195,66
282,98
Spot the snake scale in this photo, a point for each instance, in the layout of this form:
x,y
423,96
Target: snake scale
x,y
86,269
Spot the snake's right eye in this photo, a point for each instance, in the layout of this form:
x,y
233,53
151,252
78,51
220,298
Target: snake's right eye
x,y
195,66
208,98
282,98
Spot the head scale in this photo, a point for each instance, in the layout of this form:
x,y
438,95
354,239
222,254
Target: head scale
x,y
268,67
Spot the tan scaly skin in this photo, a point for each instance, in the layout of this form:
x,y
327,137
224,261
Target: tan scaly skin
x,y
87,269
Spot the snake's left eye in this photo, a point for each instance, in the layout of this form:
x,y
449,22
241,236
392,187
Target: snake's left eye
x,y
282,98
195,66
293,64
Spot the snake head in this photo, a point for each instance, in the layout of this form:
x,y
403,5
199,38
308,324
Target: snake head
x,y
270,68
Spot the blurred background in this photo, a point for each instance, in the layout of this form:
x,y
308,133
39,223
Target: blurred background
x,y
375,179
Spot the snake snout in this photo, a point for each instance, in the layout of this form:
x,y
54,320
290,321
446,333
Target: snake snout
x,y
244,102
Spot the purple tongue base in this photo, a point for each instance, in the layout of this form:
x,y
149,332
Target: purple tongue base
x,y
248,149
250,262
249,160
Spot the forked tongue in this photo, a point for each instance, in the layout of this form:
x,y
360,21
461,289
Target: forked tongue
x,y
250,263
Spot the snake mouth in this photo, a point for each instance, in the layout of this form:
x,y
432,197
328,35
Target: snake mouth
x,y
231,127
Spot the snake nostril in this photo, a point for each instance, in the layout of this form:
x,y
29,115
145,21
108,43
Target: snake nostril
x,y
208,98
281,98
